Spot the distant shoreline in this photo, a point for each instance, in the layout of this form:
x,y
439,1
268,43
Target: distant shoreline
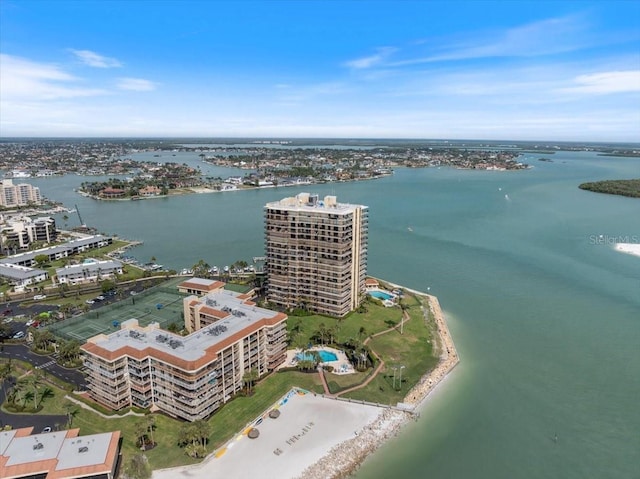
x,y
198,190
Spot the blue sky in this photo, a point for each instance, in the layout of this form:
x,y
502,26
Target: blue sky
x,y
561,70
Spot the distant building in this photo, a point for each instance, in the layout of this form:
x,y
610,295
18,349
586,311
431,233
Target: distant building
x,y
186,376
112,192
199,286
88,271
59,251
149,191
20,232
21,194
58,455
316,254
21,276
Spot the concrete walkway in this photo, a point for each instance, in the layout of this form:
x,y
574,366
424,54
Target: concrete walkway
x,y
106,416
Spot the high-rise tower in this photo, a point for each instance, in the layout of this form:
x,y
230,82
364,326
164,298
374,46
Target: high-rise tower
x,y
316,254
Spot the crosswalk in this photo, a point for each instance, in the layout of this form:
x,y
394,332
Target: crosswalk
x,y
45,365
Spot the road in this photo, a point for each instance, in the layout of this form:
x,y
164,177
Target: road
x,y
46,363
38,421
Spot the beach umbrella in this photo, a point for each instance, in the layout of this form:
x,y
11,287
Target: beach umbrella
x,y
253,433
274,413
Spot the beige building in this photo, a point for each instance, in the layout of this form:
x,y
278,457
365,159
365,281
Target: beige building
x,y
21,194
186,376
18,233
316,254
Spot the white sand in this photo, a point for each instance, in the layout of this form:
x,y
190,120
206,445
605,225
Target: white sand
x,y
629,248
333,423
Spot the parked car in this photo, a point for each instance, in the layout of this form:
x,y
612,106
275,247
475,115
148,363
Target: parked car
x,y
89,301
7,312
38,297
30,322
19,335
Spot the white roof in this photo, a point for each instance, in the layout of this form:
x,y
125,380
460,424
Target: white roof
x,y
238,315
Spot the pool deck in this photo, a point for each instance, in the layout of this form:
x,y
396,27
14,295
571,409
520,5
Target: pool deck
x,y
308,428
340,365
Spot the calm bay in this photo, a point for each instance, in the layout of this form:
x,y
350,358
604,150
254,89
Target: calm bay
x,y
544,312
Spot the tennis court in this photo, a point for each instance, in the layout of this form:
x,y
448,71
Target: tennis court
x,y
161,304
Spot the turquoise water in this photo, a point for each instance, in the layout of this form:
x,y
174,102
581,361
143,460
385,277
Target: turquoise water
x,y
325,356
380,295
545,318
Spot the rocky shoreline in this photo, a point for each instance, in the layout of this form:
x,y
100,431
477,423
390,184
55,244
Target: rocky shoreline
x,y
345,458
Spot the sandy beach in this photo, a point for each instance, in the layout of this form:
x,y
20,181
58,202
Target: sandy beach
x,y
318,437
629,248
309,426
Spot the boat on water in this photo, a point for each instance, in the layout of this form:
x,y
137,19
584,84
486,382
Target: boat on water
x,y
153,266
17,174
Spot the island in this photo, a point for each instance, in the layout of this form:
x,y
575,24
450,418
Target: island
x,y
630,188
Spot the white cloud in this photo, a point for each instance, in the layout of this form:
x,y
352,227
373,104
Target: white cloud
x,y
606,82
136,84
370,61
544,37
24,79
93,59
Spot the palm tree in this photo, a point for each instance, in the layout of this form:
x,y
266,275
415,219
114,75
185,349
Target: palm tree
x,y
5,373
201,269
47,393
322,331
331,332
140,429
26,396
70,410
249,378
202,430
151,423
34,381
69,351
362,332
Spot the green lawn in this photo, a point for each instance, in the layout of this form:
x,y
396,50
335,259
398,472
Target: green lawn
x,y
225,423
376,319
413,349
340,382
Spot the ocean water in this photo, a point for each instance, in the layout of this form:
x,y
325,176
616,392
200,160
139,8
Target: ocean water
x,y
544,313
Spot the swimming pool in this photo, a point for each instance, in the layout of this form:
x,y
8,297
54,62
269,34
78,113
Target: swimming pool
x,y
381,295
325,356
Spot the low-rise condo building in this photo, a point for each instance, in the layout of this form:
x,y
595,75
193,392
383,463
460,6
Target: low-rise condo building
x,y
199,286
90,270
20,276
186,376
58,454
316,254
59,251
